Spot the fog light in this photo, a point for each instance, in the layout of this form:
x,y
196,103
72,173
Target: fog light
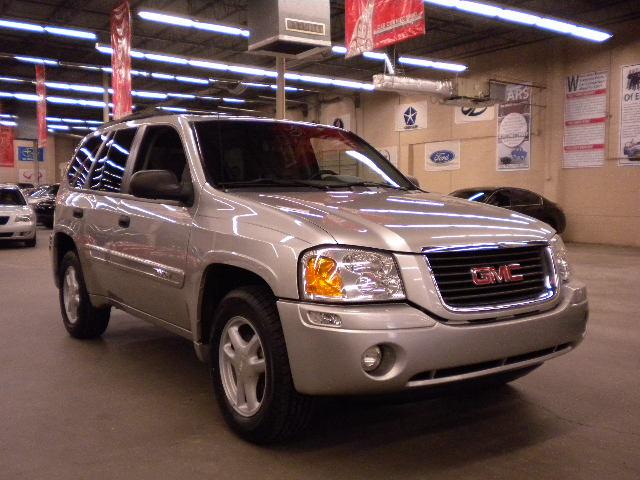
x,y
371,358
324,319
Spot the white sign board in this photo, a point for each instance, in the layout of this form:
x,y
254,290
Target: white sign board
x,y
630,116
474,114
442,156
411,116
585,120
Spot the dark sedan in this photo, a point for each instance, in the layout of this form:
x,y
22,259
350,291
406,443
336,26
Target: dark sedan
x,y
519,200
43,201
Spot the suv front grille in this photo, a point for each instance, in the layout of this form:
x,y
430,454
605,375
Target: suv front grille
x,y
4,220
453,277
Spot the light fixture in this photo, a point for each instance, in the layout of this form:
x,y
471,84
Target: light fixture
x,y
28,97
178,21
524,18
51,30
8,123
246,69
413,61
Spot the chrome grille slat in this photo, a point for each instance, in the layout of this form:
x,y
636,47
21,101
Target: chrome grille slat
x,y
451,271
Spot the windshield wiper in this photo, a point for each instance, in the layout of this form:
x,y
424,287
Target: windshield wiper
x,y
370,184
272,182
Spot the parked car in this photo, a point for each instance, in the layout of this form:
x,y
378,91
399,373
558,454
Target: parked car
x,y
23,186
519,200
17,219
43,201
300,262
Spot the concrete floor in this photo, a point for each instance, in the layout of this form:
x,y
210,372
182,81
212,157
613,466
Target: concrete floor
x,y
137,404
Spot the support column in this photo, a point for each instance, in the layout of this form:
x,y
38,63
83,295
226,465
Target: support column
x,y
281,101
105,97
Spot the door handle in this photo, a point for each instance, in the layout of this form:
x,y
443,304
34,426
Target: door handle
x,y
124,221
78,212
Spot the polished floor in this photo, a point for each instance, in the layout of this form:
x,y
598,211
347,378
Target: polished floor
x,y
138,405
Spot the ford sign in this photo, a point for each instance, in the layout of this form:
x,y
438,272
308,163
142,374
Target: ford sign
x,y
443,156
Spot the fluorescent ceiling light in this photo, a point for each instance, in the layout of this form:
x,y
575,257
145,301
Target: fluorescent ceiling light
x,y
178,21
7,115
8,123
50,29
73,120
525,18
249,70
416,62
37,61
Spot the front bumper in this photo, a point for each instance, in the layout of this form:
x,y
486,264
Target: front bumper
x,y
18,231
425,352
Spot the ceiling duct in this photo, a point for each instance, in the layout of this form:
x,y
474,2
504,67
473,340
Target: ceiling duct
x,y
288,27
461,92
394,83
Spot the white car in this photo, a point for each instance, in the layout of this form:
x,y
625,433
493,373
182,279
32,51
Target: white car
x,y
17,219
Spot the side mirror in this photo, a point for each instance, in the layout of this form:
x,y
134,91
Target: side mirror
x,y
413,180
157,185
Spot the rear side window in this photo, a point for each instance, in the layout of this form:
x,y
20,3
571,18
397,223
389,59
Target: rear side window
x,y
110,167
11,196
84,158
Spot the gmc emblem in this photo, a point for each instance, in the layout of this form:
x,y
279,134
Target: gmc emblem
x,y
492,275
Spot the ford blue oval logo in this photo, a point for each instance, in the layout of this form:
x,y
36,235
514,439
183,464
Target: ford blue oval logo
x,y
442,156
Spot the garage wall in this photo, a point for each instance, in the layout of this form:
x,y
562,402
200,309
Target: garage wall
x,y
602,204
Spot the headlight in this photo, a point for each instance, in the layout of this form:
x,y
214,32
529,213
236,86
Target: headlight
x,y
349,275
559,252
24,218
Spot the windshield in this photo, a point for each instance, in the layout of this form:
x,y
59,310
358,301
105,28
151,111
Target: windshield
x,y
11,196
243,154
473,194
48,190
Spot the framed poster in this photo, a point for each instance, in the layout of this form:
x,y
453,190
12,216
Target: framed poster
x,y
630,116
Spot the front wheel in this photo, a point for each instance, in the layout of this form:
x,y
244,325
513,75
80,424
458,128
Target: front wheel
x,y
250,369
80,317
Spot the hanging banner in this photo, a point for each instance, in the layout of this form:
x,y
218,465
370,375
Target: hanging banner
x,y
121,59
7,158
514,129
374,24
411,116
41,92
474,114
442,156
630,116
585,120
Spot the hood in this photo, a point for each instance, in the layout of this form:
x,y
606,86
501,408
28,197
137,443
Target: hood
x,y
13,209
403,221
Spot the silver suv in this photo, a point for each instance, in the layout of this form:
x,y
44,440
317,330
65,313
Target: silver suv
x,y
301,263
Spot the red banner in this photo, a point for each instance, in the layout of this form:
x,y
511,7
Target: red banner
x,y
41,92
6,147
373,24
121,59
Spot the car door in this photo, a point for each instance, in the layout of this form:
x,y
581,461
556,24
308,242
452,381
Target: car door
x,y
150,247
102,191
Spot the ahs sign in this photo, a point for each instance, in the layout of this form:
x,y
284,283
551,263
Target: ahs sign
x,y
492,275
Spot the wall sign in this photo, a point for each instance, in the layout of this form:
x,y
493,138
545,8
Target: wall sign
x,y
442,156
514,129
474,114
26,175
25,154
630,116
411,116
585,119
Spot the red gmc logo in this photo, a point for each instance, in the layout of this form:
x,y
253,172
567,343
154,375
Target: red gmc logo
x,y
492,275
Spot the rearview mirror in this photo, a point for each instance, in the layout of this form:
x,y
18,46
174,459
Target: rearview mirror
x,y
157,185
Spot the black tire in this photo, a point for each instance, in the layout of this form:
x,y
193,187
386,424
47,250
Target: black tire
x,y
283,412
31,243
90,322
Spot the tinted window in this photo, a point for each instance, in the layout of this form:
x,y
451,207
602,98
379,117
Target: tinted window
x,y
81,163
523,197
11,196
500,198
110,167
473,195
162,149
252,153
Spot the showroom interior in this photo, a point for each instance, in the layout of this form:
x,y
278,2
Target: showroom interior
x,y
535,98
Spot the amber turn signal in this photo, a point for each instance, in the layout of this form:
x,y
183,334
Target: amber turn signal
x,y
322,278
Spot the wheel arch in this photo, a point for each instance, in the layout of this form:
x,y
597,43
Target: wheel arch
x,y
61,244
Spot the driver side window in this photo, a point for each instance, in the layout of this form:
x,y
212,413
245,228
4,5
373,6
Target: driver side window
x,y
162,149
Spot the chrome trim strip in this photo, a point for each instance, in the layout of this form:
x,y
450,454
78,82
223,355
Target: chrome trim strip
x,y
157,271
551,294
490,371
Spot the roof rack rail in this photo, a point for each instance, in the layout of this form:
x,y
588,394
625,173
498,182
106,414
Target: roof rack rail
x,y
146,113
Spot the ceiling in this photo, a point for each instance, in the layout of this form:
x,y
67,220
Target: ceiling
x,y
450,36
